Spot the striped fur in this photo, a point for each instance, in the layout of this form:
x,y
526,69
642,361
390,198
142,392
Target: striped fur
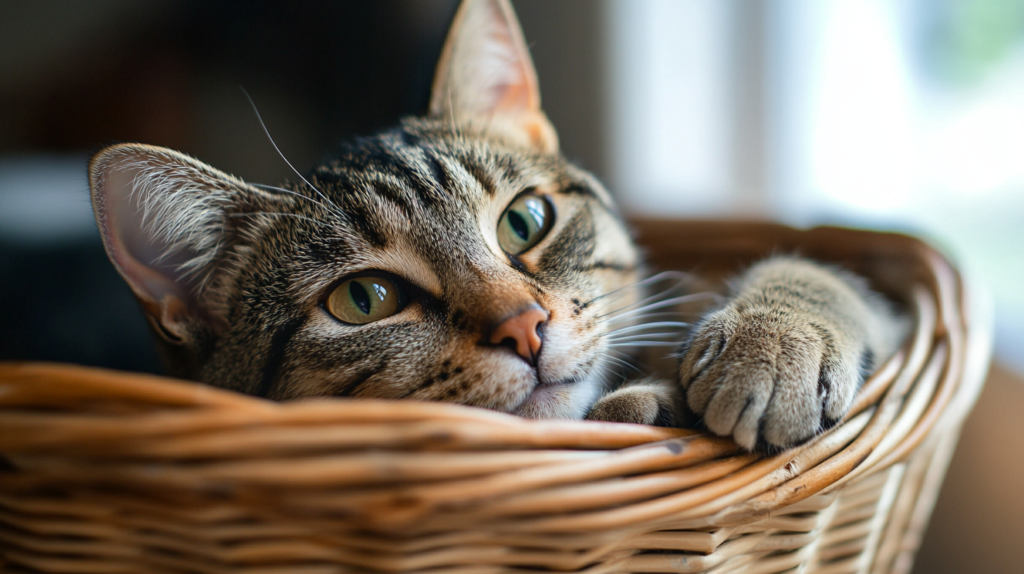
x,y
235,277
420,202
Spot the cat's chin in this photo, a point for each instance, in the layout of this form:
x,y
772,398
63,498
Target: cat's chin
x,y
570,399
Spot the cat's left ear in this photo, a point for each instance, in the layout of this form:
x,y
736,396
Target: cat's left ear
x,y
485,76
163,218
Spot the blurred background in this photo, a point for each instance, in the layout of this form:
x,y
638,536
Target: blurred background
x,y
900,114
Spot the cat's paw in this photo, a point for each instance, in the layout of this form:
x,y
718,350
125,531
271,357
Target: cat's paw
x,y
770,382
644,402
784,359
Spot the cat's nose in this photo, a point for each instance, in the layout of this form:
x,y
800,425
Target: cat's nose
x,y
522,332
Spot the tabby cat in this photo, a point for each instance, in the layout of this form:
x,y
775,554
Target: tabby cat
x,y
458,257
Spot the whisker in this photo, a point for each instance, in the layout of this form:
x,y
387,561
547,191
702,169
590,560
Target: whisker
x,y
630,316
641,336
620,312
644,344
278,150
622,362
602,308
623,359
291,192
648,297
679,275
635,328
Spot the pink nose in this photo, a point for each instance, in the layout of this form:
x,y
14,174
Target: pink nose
x,y
522,329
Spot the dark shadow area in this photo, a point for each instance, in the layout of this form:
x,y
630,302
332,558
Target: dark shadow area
x,y
67,303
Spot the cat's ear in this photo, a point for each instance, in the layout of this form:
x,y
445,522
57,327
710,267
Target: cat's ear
x,y
163,219
485,75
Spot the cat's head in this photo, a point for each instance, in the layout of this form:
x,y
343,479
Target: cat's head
x,y
457,257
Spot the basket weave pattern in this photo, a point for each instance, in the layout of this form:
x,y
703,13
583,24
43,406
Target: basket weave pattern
x,y
114,472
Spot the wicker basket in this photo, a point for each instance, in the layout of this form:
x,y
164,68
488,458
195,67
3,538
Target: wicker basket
x,y
114,472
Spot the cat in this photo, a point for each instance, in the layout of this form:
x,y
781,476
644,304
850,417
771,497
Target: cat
x,y
459,257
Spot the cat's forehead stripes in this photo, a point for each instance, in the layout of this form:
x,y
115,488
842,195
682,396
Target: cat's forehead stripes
x,y
423,203
443,165
430,184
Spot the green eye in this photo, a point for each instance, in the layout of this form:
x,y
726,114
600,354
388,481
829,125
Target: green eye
x,y
365,300
525,222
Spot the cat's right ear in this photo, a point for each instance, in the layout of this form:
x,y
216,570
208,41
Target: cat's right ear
x,y
485,76
162,217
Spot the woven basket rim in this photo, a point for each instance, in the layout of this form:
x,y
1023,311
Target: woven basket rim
x,y
421,468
